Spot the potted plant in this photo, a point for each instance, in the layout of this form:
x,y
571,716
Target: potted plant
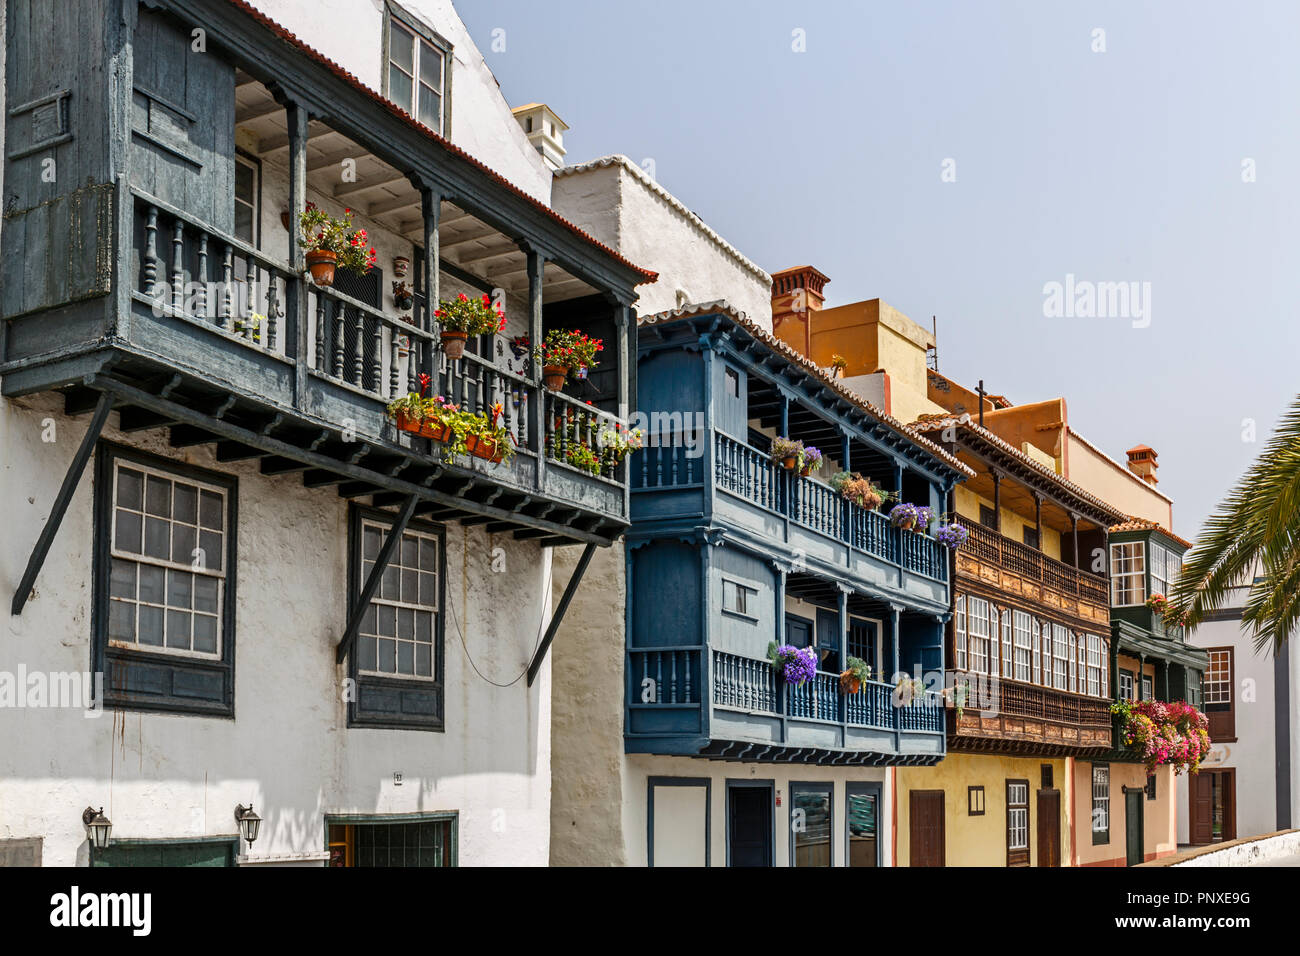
x,y
838,364
952,535
903,515
863,492
566,351
794,665
855,674
786,452
616,443
1157,603
403,296
462,317
486,437
1174,733
924,518
810,461
331,243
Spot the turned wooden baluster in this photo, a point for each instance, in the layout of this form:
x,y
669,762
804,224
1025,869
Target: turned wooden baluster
x,y
227,286
320,333
178,267
203,275
394,366
272,310
151,254
377,356
337,319
250,281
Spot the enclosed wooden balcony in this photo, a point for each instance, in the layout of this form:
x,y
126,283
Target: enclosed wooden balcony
x,y
1029,719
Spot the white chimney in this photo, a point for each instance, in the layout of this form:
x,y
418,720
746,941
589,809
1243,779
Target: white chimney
x,y
544,130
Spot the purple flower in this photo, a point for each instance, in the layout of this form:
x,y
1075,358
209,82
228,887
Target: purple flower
x,y
796,664
924,517
903,513
952,535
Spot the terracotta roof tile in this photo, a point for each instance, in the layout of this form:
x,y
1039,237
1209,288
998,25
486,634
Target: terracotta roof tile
x,y
289,37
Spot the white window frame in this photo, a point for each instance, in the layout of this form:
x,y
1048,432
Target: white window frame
x,y
1023,639
416,607
1127,685
978,612
1060,657
1017,816
995,641
1148,684
1126,580
1036,640
194,567
959,634
1007,653
254,206
423,42
1094,665
1216,685
1100,798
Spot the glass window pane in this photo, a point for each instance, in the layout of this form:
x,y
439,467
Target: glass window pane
x,y
151,626
211,507
185,503
184,541
121,621
130,488
430,108
178,629
152,580
410,586
410,551
387,620
212,557
158,497
431,66
122,579
399,88
387,655
812,827
366,653
388,589
401,46
406,623
127,536
371,538
423,660
428,554
180,589
428,590
244,222
245,182
405,657
205,633
205,594
157,538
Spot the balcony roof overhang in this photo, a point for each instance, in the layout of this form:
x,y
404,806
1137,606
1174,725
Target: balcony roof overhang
x,y
297,73
1130,638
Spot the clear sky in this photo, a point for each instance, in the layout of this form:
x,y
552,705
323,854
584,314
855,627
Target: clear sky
x,y
1122,165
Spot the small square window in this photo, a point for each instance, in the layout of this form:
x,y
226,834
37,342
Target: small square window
x,y
733,382
738,599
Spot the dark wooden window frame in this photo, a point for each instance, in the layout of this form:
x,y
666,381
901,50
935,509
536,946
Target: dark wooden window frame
x,y
425,32
1214,710
256,162
129,672
975,801
371,690
400,819
1018,857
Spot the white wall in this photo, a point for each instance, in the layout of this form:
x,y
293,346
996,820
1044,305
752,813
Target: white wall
x,y
289,750
350,32
617,203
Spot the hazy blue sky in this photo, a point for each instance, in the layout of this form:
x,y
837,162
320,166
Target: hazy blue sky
x,y
1123,165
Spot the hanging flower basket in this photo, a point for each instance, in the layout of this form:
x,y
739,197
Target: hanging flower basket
x,y
952,536
903,515
488,449
809,461
322,263
553,377
787,453
794,665
852,678
453,343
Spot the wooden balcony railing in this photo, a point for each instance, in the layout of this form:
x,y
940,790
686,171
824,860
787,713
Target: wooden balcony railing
x,y
1021,559
1017,699
749,473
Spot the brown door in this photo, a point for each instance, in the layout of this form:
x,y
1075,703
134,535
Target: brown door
x,y
1049,828
926,828
1201,811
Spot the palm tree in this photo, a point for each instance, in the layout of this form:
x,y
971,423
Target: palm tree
x,y
1253,537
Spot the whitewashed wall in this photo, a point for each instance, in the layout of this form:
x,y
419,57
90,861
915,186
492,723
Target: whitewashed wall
x,y
350,32
289,750
615,201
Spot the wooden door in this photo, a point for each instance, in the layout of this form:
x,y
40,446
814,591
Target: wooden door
x,y
1133,807
749,820
1049,828
1200,813
926,829
1228,792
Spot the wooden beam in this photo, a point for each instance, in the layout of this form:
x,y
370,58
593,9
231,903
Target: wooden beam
x,y
187,436
276,465
61,502
138,420
565,600
376,574
237,451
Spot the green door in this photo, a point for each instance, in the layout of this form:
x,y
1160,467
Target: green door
x,y
163,853
1133,797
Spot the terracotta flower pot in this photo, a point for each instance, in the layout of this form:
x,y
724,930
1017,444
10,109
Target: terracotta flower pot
x,y
553,376
849,683
805,471
907,524
453,344
788,463
484,448
322,264
838,373
406,423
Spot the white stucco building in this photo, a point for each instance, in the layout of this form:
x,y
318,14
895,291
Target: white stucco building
x,y
238,474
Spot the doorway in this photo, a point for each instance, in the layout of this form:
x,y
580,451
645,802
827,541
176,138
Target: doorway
x,y
1134,806
1049,828
749,823
926,828
1212,814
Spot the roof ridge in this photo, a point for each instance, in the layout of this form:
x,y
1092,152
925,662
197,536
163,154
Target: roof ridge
x,y
619,159
722,307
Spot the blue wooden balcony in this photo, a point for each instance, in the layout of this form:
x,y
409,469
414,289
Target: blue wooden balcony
x,y
723,705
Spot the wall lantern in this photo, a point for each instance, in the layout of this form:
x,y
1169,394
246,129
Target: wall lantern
x,y
249,822
98,827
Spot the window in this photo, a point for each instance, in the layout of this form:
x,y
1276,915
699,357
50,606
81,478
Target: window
x,y
1165,567
1061,658
1006,643
416,72
1095,686
164,605
1127,574
738,599
1146,687
959,633
248,194
977,621
988,517
1100,804
810,824
975,801
1105,666
1126,685
1194,696
862,821
1035,639
1023,638
397,659
430,842
1046,629
1218,695
733,382
1151,786
1030,536
1017,823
